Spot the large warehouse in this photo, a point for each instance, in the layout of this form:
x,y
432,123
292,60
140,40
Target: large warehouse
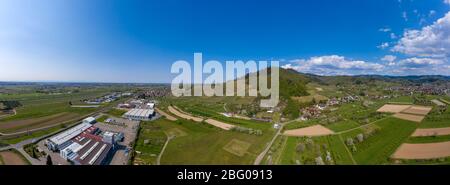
x,y
62,140
139,114
87,149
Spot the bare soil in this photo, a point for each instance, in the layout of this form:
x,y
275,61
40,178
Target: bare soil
x,y
422,151
423,132
316,130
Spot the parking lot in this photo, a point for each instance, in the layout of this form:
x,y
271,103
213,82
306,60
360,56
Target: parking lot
x,y
129,128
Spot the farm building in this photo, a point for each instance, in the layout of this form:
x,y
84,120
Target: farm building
x,y
139,114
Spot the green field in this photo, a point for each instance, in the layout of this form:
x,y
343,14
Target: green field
x,y
199,143
33,135
436,120
344,117
102,118
39,105
303,150
377,148
150,141
428,139
38,109
381,139
116,112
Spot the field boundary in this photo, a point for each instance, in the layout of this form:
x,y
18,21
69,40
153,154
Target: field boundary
x,y
348,150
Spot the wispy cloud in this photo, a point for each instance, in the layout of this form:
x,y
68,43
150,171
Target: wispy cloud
x,y
333,65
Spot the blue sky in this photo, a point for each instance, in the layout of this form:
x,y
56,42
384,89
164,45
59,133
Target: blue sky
x,y
137,41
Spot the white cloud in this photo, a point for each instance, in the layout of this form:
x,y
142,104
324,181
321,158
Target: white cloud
x,y
383,45
389,58
432,12
420,62
333,65
420,66
393,36
385,29
447,2
405,16
430,41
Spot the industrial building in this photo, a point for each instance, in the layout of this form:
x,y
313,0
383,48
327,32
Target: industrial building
x,y
62,140
90,120
139,114
87,149
85,144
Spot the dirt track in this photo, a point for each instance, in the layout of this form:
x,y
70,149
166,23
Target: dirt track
x,y
316,130
179,113
422,151
220,124
168,116
431,132
184,115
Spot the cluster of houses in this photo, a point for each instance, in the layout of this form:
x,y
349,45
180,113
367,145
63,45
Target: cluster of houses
x,y
155,93
314,111
430,89
108,98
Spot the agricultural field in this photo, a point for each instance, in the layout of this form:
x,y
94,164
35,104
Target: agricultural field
x,y
199,143
36,134
308,151
12,157
39,105
345,116
45,110
428,139
116,112
436,119
370,144
310,98
27,124
377,145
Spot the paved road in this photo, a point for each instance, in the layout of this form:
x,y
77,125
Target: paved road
x,y
19,147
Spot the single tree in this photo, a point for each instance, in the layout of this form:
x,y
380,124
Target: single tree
x,y
33,153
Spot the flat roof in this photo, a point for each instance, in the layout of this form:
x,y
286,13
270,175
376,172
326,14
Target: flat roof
x,y
140,112
94,150
89,119
69,134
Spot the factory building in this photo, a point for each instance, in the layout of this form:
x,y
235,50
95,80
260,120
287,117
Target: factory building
x,y
90,120
87,149
62,140
139,114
